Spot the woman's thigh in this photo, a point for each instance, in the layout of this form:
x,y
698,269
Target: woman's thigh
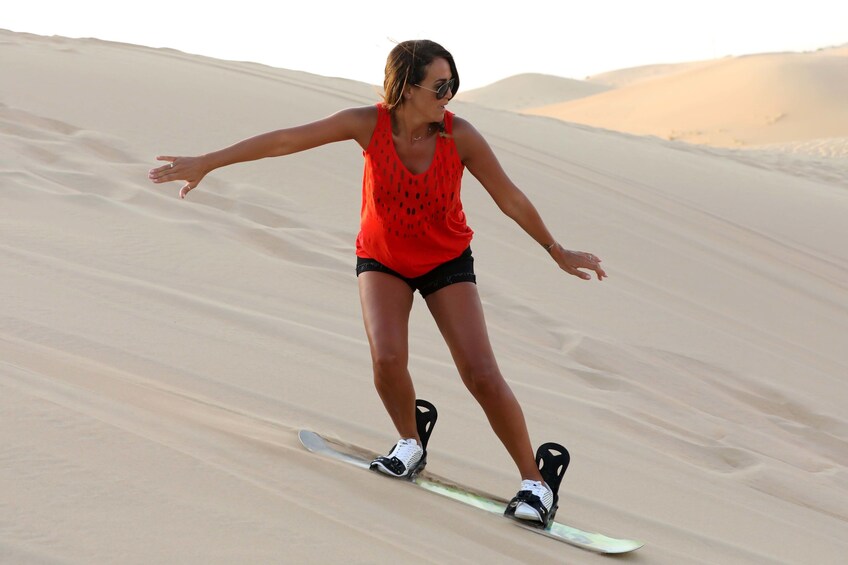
x,y
458,312
386,302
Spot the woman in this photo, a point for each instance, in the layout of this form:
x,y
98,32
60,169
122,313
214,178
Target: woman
x,y
414,236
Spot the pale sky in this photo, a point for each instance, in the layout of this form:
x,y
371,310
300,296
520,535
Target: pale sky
x,y
490,40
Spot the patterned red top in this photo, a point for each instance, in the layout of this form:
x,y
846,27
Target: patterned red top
x,y
411,223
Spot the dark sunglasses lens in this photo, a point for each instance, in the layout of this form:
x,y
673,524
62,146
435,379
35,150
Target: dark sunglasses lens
x,y
443,90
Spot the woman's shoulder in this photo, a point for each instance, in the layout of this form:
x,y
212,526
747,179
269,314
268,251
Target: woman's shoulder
x,y
363,115
469,141
462,127
359,122
463,131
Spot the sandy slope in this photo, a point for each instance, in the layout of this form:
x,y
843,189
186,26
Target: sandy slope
x,y
631,75
530,90
730,102
157,356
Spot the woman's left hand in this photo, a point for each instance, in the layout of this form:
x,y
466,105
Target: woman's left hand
x,y
572,261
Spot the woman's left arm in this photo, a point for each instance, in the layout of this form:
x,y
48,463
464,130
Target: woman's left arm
x,y
479,158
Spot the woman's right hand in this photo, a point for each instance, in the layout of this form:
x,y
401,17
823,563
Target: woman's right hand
x,y
190,169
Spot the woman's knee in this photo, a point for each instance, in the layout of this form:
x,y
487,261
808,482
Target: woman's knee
x,y
388,363
484,382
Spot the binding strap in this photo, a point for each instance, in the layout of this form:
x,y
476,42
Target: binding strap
x,y
393,464
531,499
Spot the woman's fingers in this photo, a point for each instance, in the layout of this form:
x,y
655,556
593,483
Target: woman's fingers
x,y
177,168
159,173
594,263
578,273
599,272
184,190
573,261
171,161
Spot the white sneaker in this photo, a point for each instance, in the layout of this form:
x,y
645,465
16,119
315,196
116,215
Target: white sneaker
x,y
541,491
404,459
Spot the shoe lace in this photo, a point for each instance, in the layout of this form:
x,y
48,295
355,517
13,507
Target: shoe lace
x,y
405,450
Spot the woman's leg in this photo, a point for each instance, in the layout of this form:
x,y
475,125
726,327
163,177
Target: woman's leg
x,y
459,314
386,302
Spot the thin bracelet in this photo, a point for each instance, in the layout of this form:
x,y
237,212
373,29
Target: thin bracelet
x,y
549,246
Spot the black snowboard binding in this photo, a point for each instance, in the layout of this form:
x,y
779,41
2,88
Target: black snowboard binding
x,y
425,421
552,459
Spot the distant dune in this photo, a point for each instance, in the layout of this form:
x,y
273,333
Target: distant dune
x,y
529,91
733,102
632,75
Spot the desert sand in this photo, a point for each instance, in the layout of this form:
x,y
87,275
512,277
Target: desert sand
x,y
762,99
531,90
158,355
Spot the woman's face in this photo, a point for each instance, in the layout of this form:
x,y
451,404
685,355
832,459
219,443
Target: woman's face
x,y
423,97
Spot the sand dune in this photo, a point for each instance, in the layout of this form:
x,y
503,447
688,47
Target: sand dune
x,y
528,91
732,102
628,76
158,356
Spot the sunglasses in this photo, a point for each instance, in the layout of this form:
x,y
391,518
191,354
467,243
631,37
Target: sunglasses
x,y
442,91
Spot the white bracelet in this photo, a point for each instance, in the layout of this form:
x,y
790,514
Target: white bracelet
x,y
549,247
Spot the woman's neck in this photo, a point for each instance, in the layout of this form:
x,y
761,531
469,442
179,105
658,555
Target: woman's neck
x,y
410,127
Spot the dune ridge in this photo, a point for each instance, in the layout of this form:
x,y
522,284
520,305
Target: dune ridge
x,y
530,90
766,99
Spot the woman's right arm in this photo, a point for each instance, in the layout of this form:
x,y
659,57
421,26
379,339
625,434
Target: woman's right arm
x,y
353,123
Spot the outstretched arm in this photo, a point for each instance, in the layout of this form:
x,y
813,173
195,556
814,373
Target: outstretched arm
x,y
353,123
479,158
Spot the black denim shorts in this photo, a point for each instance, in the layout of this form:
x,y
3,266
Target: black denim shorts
x,y
454,271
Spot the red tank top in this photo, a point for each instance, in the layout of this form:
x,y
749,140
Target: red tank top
x,y
411,223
